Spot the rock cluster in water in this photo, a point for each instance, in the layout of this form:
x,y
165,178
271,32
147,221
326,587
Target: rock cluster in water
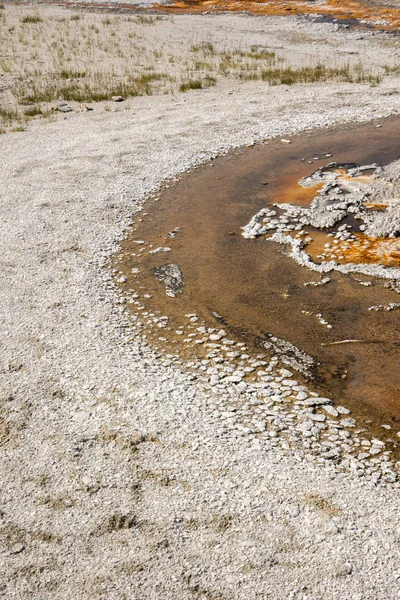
x,y
172,276
258,398
358,205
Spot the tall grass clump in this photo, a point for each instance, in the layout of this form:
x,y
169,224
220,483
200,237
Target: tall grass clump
x,y
8,115
313,74
197,84
95,88
31,19
33,111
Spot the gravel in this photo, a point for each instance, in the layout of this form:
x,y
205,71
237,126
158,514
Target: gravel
x,y
118,478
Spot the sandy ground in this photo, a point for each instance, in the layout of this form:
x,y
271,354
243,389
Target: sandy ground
x,y
118,481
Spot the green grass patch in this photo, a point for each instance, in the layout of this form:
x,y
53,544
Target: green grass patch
x,y
143,20
392,70
313,74
66,74
191,84
8,115
197,84
95,89
31,19
261,54
205,47
33,111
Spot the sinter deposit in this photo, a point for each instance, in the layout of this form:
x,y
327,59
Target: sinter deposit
x,y
360,208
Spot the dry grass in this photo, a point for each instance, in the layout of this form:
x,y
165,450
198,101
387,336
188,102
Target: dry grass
x,y
197,84
54,55
31,19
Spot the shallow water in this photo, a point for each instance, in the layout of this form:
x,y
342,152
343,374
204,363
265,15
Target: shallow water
x,y
253,286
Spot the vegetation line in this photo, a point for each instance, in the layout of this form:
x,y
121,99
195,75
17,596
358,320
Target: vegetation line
x,y
87,57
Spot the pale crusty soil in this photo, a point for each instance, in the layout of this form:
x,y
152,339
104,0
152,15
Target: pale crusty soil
x,y
117,481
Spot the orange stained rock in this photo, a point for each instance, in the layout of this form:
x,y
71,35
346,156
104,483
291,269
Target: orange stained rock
x,y
343,176
375,206
379,17
350,183
303,196
366,250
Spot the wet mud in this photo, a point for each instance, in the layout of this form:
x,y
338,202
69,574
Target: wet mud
x,y
251,287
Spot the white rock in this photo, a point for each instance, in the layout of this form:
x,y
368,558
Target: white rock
x,y
241,387
348,422
343,410
233,379
215,337
363,455
160,249
318,417
330,410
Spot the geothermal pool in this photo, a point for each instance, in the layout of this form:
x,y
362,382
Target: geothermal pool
x,y
218,251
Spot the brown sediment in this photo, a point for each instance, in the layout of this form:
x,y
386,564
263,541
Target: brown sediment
x,y
299,195
316,247
255,288
375,16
